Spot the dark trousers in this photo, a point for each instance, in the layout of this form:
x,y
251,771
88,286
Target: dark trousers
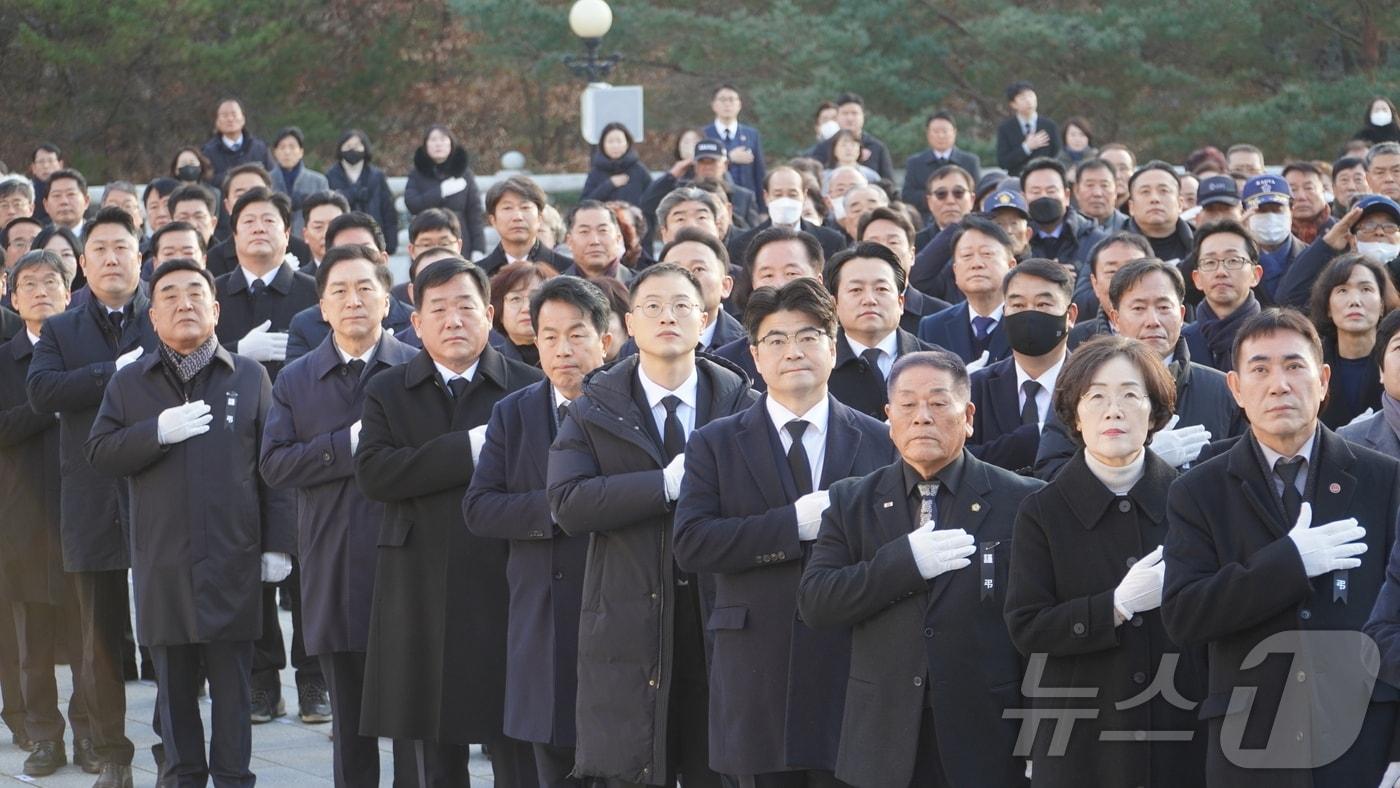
x,y
42,626
177,694
798,779
445,765
270,651
553,764
928,766
11,691
103,611
356,756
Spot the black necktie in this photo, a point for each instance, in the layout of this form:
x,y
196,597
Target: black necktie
x,y
871,357
1028,128
562,411
354,368
1030,412
797,457
257,288
728,137
458,387
672,436
1288,470
117,319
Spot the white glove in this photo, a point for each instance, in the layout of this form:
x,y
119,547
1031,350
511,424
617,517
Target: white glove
x,y
940,550
264,345
673,474
354,437
128,357
1327,547
809,513
476,436
1360,417
973,366
1391,778
453,185
1177,447
1141,589
276,567
182,422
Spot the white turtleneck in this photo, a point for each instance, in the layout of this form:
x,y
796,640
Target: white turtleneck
x,y
1119,480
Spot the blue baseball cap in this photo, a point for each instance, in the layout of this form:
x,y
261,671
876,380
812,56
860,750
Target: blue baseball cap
x,y
1005,197
1263,189
1217,189
1379,203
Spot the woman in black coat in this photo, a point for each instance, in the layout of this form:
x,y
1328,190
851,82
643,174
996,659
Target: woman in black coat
x,y
441,179
363,185
1086,584
1388,130
1349,298
616,173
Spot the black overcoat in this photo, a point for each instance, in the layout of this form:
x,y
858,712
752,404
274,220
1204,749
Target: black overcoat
x,y
31,561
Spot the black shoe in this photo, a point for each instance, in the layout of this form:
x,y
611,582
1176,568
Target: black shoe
x,y
85,758
315,703
267,706
22,741
46,759
113,776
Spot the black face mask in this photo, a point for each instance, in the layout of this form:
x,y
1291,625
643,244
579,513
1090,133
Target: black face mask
x,y
352,156
188,173
1046,210
1033,333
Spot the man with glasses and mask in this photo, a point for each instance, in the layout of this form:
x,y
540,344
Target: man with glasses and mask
x,y
1371,228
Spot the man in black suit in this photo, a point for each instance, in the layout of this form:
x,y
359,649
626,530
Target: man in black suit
x,y
892,229
317,212
850,115
700,253
257,301
313,430
784,185
595,239
506,500
776,686
615,473
868,283
77,354
1014,395
932,666
434,229
942,135
982,254
195,204
949,193
513,209
223,250
1285,534
436,660
1025,135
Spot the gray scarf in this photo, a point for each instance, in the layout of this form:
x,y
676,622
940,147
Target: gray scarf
x,y
186,367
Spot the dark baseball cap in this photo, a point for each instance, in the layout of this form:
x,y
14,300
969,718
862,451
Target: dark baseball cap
x,y
709,149
1006,197
1379,203
1217,190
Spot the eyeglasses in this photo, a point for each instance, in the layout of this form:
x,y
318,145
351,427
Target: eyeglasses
x,y
1377,228
808,339
653,309
1099,401
1210,265
956,193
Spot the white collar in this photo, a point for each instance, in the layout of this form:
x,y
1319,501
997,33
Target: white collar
x,y
816,416
732,128
708,332
232,142
1047,378
1032,120
559,399
890,344
33,338
346,358
995,315
688,391
942,154
449,376
265,278
1271,456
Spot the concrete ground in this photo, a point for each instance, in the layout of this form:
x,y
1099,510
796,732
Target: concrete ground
x,y
285,751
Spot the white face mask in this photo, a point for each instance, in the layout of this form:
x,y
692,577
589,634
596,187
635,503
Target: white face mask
x,y
785,211
1328,197
1381,117
828,128
1378,252
838,209
1270,229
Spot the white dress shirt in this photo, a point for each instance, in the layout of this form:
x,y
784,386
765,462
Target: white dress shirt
x,y
813,439
1047,388
688,392
888,347
1271,457
448,375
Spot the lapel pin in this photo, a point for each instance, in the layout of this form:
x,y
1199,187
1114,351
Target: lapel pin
x,y
977,507
889,504
1334,488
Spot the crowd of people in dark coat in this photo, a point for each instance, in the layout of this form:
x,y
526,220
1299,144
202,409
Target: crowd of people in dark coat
x,y
1064,470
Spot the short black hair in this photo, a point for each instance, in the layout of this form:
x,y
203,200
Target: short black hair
x,y
519,185
1335,274
1017,88
590,205
1221,227
933,359
1305,167
180,264
774,234
722,86
434,219
863,249
1123,237
984,226
440,272
1385,332
18,220
163,186
662,269
1052,271
1347,163
243,169
1272,320
1129,275
1095,164
695,235
946,170
804,294
191,192
289,131
885,213
340,254
1155,164
177,227
580,293
69,174
324,197
110,215
849,98
1044,163
940,115
258,194
46,147
353,219
36,258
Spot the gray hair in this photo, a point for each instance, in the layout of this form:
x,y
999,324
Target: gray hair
x,y
881,197
685,194
40,258
829,174
1382,149
933,359
13,183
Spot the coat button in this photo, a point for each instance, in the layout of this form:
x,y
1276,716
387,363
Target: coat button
x,y
1140,677
654,595
1125,506
558,575
782,556
325,456
1132,559
651,682
1302,676
1305,614
1136,621
1078,627
928,632
918,681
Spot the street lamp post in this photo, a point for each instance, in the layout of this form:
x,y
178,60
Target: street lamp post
x,y
590,20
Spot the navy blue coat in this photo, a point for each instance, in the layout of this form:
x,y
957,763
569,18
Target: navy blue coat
x,y
308,329
751,175
306,447
951,330
917,306
777,687
507,500
31,564
68,375
289,292
252,151
998,436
